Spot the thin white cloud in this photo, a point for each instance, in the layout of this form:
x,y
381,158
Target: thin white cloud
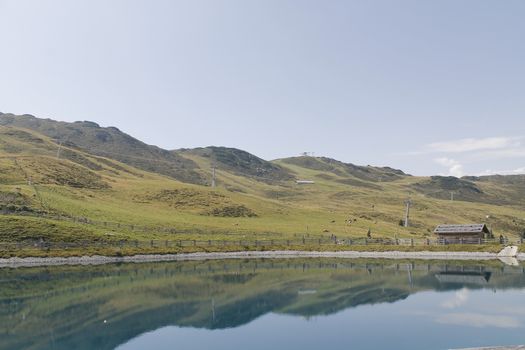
x,y
517,152
455,168
517,171
478,320
478,148
476,153
474,144
459,299
515,309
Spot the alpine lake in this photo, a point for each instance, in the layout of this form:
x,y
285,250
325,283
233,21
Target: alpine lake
x,y
264,304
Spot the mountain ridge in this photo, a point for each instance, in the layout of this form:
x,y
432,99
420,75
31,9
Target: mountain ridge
x,y
64,132
112,143
45,170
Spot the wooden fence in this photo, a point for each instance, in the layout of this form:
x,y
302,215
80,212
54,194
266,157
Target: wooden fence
x,y
321,238
243,243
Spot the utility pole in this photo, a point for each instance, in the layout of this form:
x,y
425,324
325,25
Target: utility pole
x,y
489,225
408,203
59,148
213,309
213,176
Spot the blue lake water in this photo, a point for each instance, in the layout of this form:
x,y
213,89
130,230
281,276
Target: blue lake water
x,y
264,304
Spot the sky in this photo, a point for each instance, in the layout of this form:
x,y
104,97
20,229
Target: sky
x,y
430,87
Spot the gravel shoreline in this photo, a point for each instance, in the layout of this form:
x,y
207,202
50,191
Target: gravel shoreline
x,y
98,259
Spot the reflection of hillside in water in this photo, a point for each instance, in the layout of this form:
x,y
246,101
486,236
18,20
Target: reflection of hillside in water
x,y
103,306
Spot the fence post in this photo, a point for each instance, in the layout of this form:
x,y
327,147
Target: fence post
x,y
412,242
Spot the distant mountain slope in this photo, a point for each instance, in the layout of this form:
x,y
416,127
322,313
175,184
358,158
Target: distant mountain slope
x,y
515,180
496,189
110,143
508,189
366,173
241,163
72,170
442,187
29,156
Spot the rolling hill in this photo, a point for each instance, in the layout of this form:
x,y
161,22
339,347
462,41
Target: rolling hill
x,y
240,163
346,170
110,143
55,177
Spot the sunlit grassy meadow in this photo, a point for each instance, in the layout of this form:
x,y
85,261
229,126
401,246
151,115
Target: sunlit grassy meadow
x,y
75,197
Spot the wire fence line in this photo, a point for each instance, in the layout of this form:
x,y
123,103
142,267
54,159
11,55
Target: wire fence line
x,y
99,223
111,225
172,230
306,240
247,244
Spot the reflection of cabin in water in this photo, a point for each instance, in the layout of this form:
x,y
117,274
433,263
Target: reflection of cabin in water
x,y
471,232
463,278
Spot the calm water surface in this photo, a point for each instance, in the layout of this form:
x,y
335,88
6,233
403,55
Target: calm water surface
x,y
264,304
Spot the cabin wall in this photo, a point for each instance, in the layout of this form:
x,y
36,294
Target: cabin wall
x,y
471,237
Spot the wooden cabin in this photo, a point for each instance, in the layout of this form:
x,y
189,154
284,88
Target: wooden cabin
x,y
458,233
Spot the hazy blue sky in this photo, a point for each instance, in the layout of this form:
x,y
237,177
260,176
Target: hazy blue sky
x,y
431,87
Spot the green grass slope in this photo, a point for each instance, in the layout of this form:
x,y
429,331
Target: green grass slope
x,y
241,163
44,194
110,143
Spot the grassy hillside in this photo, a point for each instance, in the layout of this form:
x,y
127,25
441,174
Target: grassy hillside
x,y
111,143
72,194
241,163
346,170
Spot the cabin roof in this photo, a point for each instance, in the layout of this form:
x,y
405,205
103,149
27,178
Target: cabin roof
x,y
461,229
